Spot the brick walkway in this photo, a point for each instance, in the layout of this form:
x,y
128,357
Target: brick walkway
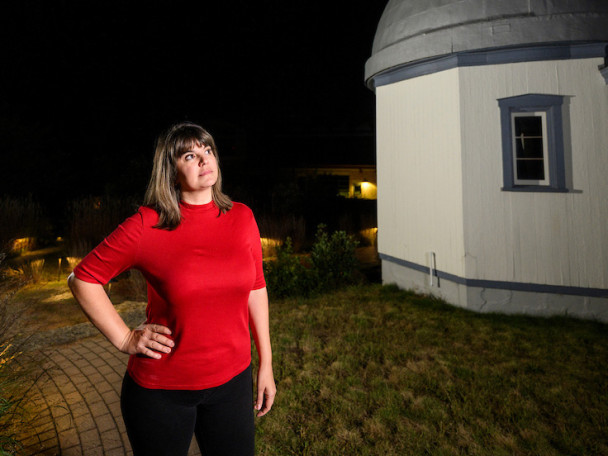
x,y
77,402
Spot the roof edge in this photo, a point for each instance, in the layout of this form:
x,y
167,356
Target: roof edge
x,y
495,56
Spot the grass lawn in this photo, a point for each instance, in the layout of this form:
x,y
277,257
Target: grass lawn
x,y
375,370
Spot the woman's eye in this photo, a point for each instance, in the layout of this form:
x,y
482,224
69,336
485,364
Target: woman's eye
x,y
189,157
207,151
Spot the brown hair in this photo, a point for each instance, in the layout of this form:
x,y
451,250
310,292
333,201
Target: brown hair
x,y
163,193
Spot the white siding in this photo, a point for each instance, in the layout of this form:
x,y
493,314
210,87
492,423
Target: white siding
x,y
419,171
548,238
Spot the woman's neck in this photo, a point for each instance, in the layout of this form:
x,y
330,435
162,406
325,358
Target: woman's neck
x,y
197,198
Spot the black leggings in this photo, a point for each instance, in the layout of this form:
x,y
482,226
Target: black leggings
x,y
162,422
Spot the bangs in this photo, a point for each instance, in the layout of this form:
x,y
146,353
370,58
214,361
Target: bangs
x,y
186,138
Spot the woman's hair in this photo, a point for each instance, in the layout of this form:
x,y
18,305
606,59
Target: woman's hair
x,y
163,193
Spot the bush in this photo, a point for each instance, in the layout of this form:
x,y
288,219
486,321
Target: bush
x,y
287,276
333,259
332,265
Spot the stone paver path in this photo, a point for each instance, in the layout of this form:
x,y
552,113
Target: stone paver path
x,y
77,402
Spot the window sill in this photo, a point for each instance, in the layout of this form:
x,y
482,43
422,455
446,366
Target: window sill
x,y
534,188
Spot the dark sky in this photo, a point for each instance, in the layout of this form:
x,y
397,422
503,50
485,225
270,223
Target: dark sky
x,y
86,86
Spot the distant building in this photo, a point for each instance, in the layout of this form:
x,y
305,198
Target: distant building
x,y
349,181
492,152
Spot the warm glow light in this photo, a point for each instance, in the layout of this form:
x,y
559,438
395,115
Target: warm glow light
x,y
368,190
23,244
370,234
269,246
73,261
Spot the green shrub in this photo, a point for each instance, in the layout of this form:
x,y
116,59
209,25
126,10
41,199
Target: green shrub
x,y
332,265
287,276
333,259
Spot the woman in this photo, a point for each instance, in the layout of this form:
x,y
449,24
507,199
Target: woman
x,y
190,365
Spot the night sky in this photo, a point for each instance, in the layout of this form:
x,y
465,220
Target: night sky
x,y
85,88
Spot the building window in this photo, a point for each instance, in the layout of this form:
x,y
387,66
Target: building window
x,y
532,143
529,148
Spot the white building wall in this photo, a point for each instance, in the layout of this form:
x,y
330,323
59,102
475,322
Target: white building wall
x,y
546,238
419,171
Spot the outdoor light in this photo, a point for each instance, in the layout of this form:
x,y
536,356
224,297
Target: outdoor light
x,y
269,246
367,189
22,245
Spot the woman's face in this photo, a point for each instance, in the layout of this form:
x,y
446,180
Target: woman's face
x,y
196,173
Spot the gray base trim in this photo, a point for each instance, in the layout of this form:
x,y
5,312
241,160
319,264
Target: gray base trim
x,y
604,73
497,284
562,51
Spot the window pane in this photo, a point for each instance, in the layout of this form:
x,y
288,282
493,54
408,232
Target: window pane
x,y
530,170
529,147
334,185
528,126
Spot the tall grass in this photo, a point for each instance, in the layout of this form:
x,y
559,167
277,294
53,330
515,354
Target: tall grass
x,y
13,366
91,219
20,218
32,270
280,228
378,371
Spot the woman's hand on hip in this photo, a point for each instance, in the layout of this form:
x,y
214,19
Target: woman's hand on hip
x,y
267,390
148,340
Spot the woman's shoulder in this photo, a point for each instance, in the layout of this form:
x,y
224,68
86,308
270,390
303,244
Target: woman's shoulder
x,y
148,215
240,208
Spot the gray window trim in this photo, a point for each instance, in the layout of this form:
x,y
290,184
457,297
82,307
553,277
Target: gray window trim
x,y
552,106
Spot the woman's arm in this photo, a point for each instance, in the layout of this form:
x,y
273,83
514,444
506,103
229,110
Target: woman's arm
x,y
258,318
146,339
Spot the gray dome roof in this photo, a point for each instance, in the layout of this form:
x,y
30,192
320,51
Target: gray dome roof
x,y
412,30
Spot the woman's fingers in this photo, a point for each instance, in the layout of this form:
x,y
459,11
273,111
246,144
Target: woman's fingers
x,y
159,347
267,390
265,401
149,340
159,329
151,353
159,340
266,393
260,400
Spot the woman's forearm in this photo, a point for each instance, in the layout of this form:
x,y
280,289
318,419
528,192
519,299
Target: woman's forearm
x,y
259,320
95,303
149,339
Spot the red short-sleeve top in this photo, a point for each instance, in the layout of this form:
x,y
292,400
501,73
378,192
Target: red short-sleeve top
x,y
199,279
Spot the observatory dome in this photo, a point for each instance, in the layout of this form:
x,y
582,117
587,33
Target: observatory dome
x,y
418,30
